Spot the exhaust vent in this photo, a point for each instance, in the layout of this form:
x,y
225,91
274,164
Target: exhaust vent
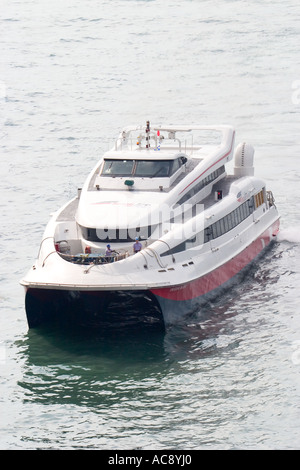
x,y
243,160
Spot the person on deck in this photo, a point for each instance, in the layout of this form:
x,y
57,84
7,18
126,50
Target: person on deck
x,y
109,251
137,246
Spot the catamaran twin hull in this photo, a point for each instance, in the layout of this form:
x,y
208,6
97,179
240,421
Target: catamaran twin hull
x,y
85,272
90,307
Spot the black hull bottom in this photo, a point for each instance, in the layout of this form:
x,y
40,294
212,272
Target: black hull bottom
x,y
127,308
91,309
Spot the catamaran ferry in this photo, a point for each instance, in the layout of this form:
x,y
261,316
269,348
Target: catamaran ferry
x,y
158,218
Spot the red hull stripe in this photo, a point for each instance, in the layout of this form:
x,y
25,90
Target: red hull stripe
x,y
219,276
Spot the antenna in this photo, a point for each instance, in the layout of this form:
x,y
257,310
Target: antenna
x,y
147,135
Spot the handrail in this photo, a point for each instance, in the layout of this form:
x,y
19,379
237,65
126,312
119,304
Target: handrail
x,y
157,257
51,253
42,243
270,198
132,142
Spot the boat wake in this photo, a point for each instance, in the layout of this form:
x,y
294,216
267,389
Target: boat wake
x,y
290,234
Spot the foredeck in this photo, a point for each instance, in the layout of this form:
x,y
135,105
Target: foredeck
x,y
69,212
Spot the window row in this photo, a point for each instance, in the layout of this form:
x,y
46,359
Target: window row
x,y
218,228
230,221
195,189
116,235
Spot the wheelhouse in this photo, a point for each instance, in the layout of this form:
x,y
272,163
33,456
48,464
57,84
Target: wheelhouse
x,y
141,168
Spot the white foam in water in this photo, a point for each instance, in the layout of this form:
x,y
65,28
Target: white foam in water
x,y
291,234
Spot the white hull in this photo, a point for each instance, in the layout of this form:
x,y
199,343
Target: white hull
x,y
179,267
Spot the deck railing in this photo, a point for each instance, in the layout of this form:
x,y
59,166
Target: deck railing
x,y
93,258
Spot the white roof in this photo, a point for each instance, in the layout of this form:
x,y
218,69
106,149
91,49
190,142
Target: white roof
x,y
142,154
